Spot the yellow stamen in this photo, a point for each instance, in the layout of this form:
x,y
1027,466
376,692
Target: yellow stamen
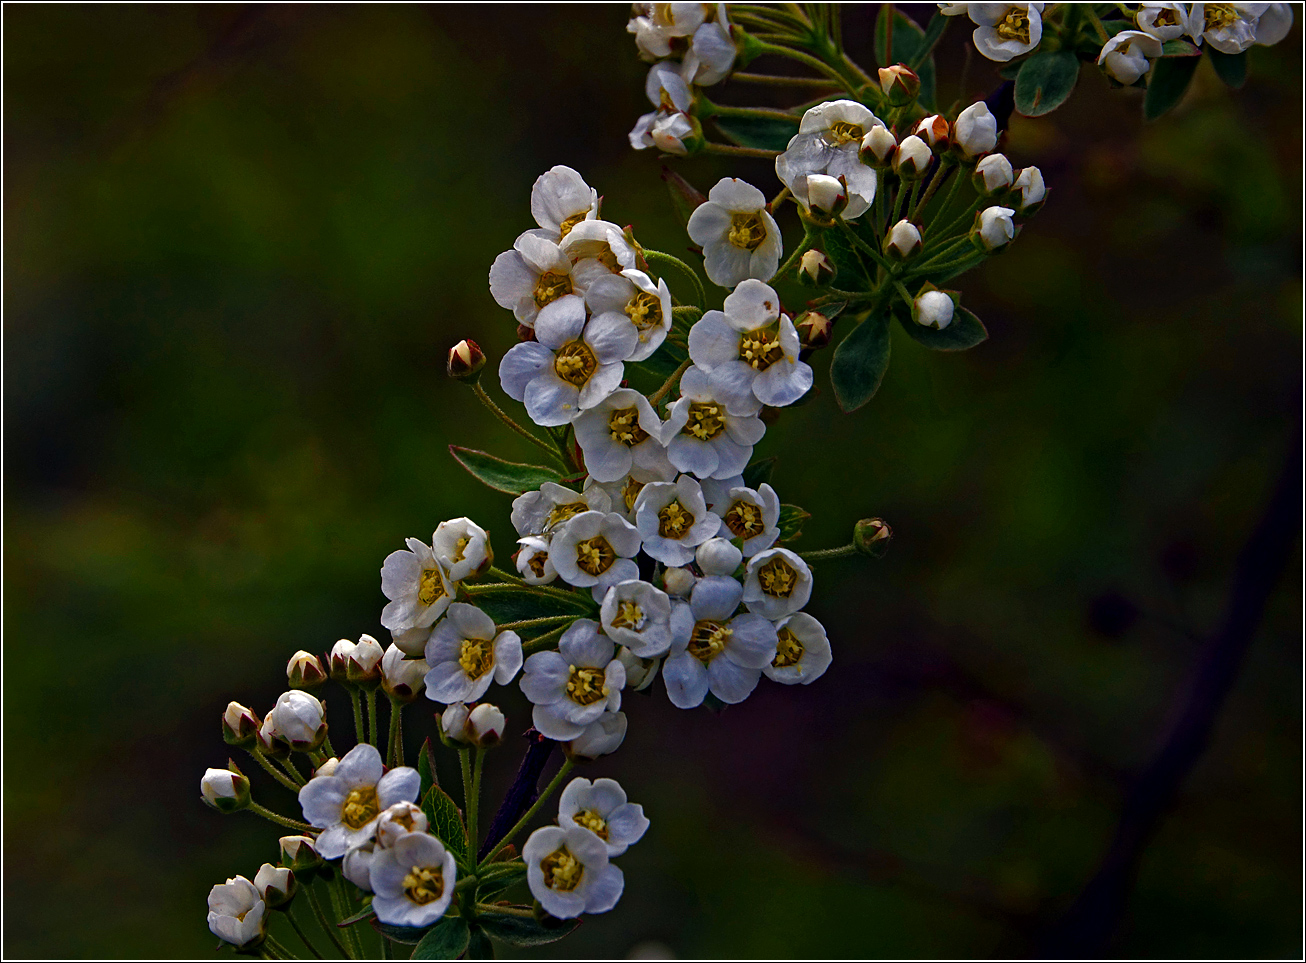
x,y
706,420
761,348
476,657
744,519
623,426
674,521
565,227
629,616
430,587
789,651
575,362
1217,16
1014,26
645,310
747,230
631,492
460,548
536,563
777,578
551,286
360,807
424,884
708,640
561,513
586,686
562,870
842,132
595,555
593,822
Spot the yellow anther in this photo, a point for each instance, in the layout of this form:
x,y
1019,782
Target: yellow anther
x,y
747,230
1014,26
708,639
777,578
744,519
562,870
842,132
430,587
585,686
788,652
575,362
424,884
631,492
593,822
623,426
551,286
561,513
565,227
629,616
706,420
761,348
674,521
476,657
595,555
360,807
644,310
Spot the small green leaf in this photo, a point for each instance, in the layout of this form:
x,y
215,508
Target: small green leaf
x,y
1010,71
426,768
859,363
480,947
446,821
791,522
501,881
663,362
768,133
847,262
402,934
933,31
1232,68
759,472
1179,48
364,913
907,42
521,931
685,197
520,606
446,941
1167,84
503,476
964,332
1045,81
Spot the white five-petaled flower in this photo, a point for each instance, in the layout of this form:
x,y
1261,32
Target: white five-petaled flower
x,y
546,510
739,237
633,298
1128,55
975,131
663,130
595,550
657,25
463,547
702,436
560,200
620,433
712,51
637,615
777,583
396,821
533,560
535,273
465,655
933,309
749,352
752,516
602,808
601,737
828,142
1006,30
597,249
673,520
573,687
237,912
568,871
717,491
298,719
1164,21
994,227
346,804
417,586
572,366
666,88
714,649
413,880
1228,27
994,174
803,652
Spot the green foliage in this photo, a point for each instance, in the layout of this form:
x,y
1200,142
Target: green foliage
x,y
509,876
479,946
409,935
519,606
426,768
907,41
1231,68
446,940
843,254
1167,83
933,32
860,362
685,197
663,362
1045,81
502,475
446,822
759,471
768,133
520,931
964,332
1179,48
791,522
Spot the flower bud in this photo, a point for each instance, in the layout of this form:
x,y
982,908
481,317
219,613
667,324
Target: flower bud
x,y
871,536
976,131
933,309
299,719
402,679
992,175
934,130
533,562
412,641
600,737
1032,190
718,556
900,84
453,723
304,671
878,147
226,790
640,673
401,818
826,194
270,741
912,158
299,854
466,359
240,725
815,269
486,723
904,240
276,883
993,228
678,582
814,330
357,663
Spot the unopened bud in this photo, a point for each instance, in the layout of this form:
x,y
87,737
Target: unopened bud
x,y
879,147
993,229
357,663
328,767
226,790
935,131
602,736
466,359
718,556
900,84
993,175
299,854
485,724
904,240
299,720
402,679
814,330
401,818
276,883
976,131
871,537
270,741
525,333
815,269
912,158
933,309
678,582
240,725
1033,192
640,672
304,671
826,194
453,723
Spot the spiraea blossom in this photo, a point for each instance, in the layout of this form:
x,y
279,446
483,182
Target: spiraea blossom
x,y
701,434
597,249
573,687
1128,55
531,276
658,26
667,131
413,880
712,51
777,583
601,737
751,516
1164,21
637,615
673,520
828,142
1006,30
533,561
462,547
595,550
560,200
237,912
620,433
568,871
602,808
802,651
1228,27
636,299
623,492
713,649
739,237
543,511
418,587
466,652
346,804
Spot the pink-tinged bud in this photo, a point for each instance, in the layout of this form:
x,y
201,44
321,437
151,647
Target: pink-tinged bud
x,y
815,270
240,725
912,158
935,131
466,359
485,724
814,330
226,790
826,194
871,536
993,175
900,84
305,671
299,720
270,741
904,240
402,679
525,333
878,147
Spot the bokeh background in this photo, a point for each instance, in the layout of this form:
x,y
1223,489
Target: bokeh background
x,y
239,241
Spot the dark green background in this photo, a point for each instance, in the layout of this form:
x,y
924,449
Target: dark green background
x,y
239,241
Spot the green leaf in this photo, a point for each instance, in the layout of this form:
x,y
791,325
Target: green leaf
x,y
500,882
663,362
1045,81
685,197
1232,68
768,133
1167,84
1179,48
446,941
759,472
364,913
859,363
520,606
1113,27
908,41
791,522
503,476
933,31
1011,70
402,934
521,931
446,821
847,262
480,947
964,332
426,768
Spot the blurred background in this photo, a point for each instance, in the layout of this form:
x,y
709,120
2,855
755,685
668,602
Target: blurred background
x,y
239,241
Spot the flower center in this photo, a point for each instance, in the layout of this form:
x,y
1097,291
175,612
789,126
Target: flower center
x,y
430,588
536,564
705,420
744,519
789,651
561,513
460,548
1219,15
551,286
575,362
608,258
842,132
1014,26
777,578
562,870
424,884
631,492
747,230
708,640
644,310
565,227
593,822
360,807
675,521
629,616
595,555
1167,18
586,686
476,657
623,425
761,348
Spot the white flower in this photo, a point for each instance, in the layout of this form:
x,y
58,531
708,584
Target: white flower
x,y
346,804
597,249
994,173
912,158
976,130
486,724
397,820
620,433
413,880
994,227
635,300
465,655
1032,189
637,615
656,25
357,866
276,884
702,436
663,130
402,678
623,492
1125,57
594,550
568,871
717,491
777,583
1273,25
560,200
572,366
416,585
463,547
237,913
1006,30
640,672
712,51
573,687
673,520
299,720
749,352
739,237
903,241
879,146
828,141
1228,27
535,273
714,649
752,516
545,511
803,653
601,737
533,561
601,807
933,309
718,556
1164,21
227,791
667,89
